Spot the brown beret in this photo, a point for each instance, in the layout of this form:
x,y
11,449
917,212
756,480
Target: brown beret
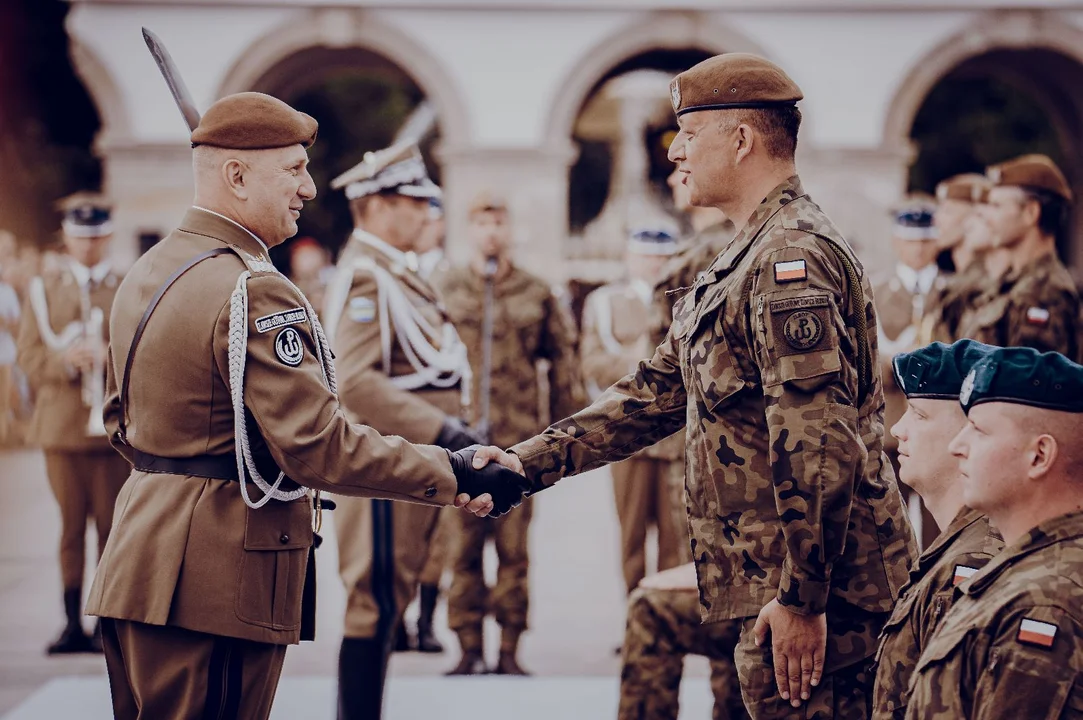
x,y
968,187
254,121
732,80
1034,172
487,202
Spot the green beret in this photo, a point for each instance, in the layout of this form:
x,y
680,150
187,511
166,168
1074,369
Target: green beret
x,y
1024,376
254,121
732,80
936,371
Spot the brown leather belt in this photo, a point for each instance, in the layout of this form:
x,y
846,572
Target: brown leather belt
x,y
217,467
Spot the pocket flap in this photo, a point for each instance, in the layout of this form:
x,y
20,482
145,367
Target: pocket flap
x,y
279,526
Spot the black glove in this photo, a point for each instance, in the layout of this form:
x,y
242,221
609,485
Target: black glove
x,y
455,435
505,486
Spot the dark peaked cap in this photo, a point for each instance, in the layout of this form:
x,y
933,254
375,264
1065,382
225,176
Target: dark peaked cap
x,y
254,121
732,80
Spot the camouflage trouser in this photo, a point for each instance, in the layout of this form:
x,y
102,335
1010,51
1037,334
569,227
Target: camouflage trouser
x,y
663,627
845,690
469,599
644,496
439,548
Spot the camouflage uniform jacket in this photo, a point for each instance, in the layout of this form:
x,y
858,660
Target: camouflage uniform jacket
x,y
530,324
1012,645
1037,306
962,549
947,305
788,491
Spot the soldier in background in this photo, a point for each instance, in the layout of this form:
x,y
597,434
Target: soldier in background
x,y
1035,302
402,370
310,269
1012,644
62,349
431,255
511,323
615,337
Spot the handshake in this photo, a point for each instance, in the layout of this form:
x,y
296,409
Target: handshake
x,y
491,481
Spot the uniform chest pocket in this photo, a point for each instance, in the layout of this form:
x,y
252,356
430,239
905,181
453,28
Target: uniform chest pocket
x,y
709,359
276,541
1022,684
895,624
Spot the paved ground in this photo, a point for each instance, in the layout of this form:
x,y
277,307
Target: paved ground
x,y
577,618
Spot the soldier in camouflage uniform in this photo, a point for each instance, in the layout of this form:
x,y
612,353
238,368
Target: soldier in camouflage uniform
x,y
1012,644
796,520
931,379
1035,304
530,325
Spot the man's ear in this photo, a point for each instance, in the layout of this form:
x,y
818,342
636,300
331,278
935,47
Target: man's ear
x,y
1032,211
235,176
745,140
1043,454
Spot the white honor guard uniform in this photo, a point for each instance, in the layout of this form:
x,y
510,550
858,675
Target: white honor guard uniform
x,y
404,371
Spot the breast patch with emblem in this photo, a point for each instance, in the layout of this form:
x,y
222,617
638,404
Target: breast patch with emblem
x,y
801,322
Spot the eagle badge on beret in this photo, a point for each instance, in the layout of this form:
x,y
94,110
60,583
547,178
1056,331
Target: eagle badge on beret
x,y
675,93
967,387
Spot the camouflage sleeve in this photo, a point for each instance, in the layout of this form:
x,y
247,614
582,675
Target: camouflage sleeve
x,y
1047,324
810,393
636,412
566,394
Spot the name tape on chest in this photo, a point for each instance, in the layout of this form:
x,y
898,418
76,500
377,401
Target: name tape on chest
x,y
361,310
962,574
1036,632
1037,316
289,348
790,271
278,320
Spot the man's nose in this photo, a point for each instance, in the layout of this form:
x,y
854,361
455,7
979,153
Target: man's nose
x,y
307,191
676,149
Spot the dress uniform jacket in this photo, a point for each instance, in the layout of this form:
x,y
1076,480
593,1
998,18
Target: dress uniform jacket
x,y
965,547
369,394
788,491
1036,306
187,551
1012,645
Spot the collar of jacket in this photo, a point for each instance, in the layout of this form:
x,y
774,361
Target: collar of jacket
x,y
201,221
962,520
397,257
84,275
1060,529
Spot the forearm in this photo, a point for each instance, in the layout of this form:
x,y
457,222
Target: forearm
x,y
371,398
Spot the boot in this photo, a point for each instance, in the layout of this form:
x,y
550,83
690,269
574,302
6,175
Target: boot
x,y
73,639
426,641
471,663
360,679
403,642
509,648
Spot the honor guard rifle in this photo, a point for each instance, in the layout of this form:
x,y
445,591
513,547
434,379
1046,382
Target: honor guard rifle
x,y
177,88
483,428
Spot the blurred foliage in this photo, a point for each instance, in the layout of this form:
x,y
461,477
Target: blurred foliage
x,y
47,120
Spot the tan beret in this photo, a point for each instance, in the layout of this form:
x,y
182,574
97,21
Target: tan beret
x,y
1034,172
254,121
732,80
968,187
487,202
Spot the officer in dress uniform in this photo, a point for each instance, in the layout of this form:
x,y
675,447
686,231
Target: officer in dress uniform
x,y
222,393
402,370
798,529
616,335
1012,644
61,348
931,378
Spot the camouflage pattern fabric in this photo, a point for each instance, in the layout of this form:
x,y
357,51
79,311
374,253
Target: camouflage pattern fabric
x,y
1012,644
1037,306
663,627
947,306
966,546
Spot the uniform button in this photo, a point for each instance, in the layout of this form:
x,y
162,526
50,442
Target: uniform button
x,y
284,539
430,492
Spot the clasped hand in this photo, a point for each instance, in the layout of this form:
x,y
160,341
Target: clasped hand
x,y
491,481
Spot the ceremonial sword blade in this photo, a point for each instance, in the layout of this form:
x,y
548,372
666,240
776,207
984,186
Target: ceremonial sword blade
x,y
173,79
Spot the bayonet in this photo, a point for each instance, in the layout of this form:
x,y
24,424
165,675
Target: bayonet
x,y
173,79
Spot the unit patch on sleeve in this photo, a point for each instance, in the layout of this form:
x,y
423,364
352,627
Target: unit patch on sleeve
x,y
800,321
790,271
289,348
361,309
1036,632
281,319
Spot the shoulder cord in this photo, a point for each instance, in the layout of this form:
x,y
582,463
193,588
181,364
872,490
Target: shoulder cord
x,y
40,305
602,303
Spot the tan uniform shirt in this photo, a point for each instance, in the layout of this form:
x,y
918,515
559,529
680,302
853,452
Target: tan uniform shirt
x,y
188,551
1012,645
789,495
965,547
530,324
61,414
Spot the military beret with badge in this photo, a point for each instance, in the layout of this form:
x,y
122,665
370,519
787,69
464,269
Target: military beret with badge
x,y
937,371
254,121
1031,172
732,81
1024,376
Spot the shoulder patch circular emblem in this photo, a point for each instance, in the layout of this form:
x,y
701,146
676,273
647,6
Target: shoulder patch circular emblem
x,y
803,330
289,348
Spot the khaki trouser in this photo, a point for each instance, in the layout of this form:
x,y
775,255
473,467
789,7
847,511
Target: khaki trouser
x,y
169,673
469,599
84,484
644,494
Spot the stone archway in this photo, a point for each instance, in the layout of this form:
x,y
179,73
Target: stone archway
x,y
113,111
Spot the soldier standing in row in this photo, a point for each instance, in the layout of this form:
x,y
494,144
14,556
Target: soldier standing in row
x,y
62,349
798,529
1035,303
221,391
931,378
1012,644
616,335
402,370
511,323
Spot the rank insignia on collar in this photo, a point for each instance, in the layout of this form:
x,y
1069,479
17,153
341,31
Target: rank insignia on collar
x,y
1036,632
790,271
962,574
1037,316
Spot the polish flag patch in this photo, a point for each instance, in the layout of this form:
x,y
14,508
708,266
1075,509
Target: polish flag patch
x,y
1037,316
962,574
790,271
1036,632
